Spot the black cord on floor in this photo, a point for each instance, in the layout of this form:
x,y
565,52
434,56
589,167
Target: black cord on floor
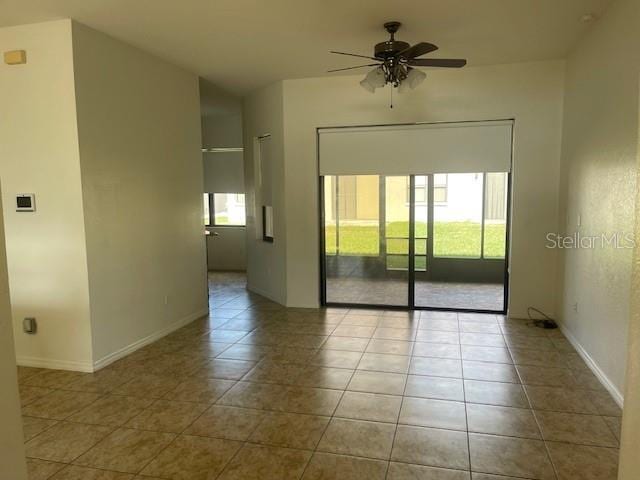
x,y
545,322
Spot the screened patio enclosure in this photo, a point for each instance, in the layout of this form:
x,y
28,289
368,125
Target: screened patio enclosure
x,y
393,235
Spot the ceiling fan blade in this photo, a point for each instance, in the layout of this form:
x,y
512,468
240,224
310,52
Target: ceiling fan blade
x,y
351,68
417,50
353,55
438,62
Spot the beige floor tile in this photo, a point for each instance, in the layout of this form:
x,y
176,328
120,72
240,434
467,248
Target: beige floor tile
x,y
126,450
486,354
559,399
437,336
431,447
495,393
490,372
257,462
435,387
25,373
226,422
324,466
73,472
103,381
290,430
147,386
482,339
167,416
204,390
510,456
386,333
111,410
352,344
538,358
42,469
309,400
59,404
30,394
575,428
369,406
52,378
377,382
477,317
381,362
253,395
426,412
354,331
224,369
480,327
358,438
336,358
192,458
603,403
437,350
32,426
507,421
405,471
529,342
65,441
615,424
361,320
244,352
436,367
324,377
584,463
392,347
488,476
551,377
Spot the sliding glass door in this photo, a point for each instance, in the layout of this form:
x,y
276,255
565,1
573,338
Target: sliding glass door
x,y
416,215
365,240
419,241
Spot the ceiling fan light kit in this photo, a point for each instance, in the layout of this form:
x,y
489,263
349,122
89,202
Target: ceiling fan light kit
x,y
396,62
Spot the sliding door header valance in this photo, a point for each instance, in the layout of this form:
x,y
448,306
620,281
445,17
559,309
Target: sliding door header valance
x,y
462,147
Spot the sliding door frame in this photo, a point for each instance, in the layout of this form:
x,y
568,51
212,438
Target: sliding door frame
x,y
411,257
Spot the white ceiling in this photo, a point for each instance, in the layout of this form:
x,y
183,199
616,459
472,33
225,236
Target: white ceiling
x,y
243,44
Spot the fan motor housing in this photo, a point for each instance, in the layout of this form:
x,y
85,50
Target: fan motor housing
x,y
389,48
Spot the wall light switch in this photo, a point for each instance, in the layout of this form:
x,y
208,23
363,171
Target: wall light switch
x,y
15,57
579,220
29,325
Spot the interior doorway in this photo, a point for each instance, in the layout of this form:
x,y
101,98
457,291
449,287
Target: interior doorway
x,y
420,241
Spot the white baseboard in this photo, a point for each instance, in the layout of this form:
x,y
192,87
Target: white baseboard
x,y
54,364
593,366
123,352
264,293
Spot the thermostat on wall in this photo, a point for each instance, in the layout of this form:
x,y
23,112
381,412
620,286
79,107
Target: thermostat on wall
x,y
25,202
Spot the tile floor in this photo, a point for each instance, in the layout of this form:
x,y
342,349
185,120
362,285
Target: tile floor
x,y
257,391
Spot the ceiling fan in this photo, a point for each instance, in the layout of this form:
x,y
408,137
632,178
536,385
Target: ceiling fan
x,y
396,62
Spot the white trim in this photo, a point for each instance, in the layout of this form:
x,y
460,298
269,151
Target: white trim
x,y
593,366
123,352
54,364
264,293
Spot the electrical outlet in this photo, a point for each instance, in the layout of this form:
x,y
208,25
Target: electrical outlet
x,y
575,307
29,325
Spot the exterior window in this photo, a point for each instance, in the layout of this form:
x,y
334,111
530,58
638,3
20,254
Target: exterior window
x,y
228,210
207,213
439,188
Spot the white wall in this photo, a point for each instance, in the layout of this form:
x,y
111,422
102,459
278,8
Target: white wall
x,y
140,141
39,154
599,183
12,460
531,93
266,262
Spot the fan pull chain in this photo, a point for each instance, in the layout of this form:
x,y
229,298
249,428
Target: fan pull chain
x,y
391,101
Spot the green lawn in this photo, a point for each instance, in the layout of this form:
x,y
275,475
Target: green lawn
x,y
452,239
